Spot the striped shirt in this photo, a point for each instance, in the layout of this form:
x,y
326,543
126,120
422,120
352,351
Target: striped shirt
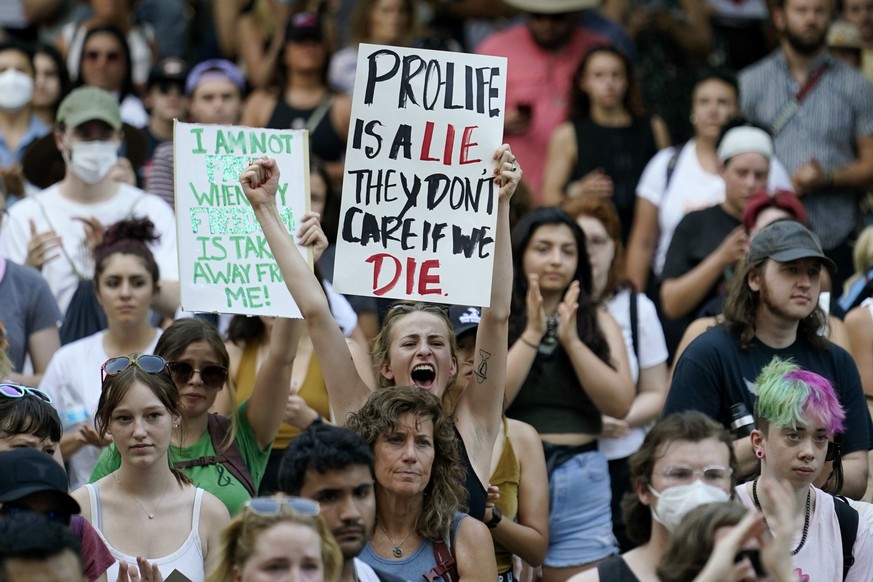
x,y
835,113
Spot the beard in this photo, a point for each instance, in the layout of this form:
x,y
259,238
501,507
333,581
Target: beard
x,y
804,46
772,304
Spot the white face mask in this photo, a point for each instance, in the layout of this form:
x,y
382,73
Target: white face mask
x,y
675,503
92,160
16,89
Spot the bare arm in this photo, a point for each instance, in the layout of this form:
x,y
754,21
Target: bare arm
x,y
528,537
257,108
167,301
642,241
260,62
660,131
680,295
345,388
860,327
651,393
474,552
41,345
524,351
225,15
858,174
855,467
214,517
480,410
559,163
837,333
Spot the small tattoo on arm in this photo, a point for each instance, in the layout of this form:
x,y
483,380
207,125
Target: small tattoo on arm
x,y
482,371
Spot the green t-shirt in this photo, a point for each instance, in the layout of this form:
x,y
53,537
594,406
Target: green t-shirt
x,y
213,478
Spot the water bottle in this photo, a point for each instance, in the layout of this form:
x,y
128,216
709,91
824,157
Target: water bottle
x,y
72,417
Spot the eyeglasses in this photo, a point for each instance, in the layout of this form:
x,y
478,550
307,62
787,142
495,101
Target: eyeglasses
x,y
148,363
110,56
712,473
19,391
212,376
274,505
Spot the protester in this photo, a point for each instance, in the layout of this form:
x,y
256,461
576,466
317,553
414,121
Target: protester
x,y
278,536
827,142
165,100
604,146
685,461
56,230
32,547
644,340
567,367
416,345
797,418
171,523
333,466
772,310
420,527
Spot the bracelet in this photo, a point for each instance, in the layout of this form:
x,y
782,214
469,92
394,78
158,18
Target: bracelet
x,y
528,343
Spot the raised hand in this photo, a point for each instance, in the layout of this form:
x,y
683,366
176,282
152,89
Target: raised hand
x,y
142,571
536,315
260,181
567,330
311,234
42,247
508,173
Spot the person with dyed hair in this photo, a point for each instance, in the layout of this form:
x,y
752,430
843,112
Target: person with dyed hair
x,y
798,417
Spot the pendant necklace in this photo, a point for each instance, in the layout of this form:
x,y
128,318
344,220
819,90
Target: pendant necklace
x,y
397,549
149,514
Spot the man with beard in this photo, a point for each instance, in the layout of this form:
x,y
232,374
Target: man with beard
x,y
821,113
772,311
333,466
543,54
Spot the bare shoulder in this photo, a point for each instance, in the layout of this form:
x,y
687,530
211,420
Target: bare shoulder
x,y
471,528
213,512
84,500
521,433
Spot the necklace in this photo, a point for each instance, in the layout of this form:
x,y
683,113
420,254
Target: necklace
x,y
149,514
397,549
805,518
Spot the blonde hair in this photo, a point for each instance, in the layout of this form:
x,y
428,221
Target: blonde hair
x,y
239,538
862,257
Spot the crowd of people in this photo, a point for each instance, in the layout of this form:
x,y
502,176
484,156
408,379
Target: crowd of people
x,y
673,379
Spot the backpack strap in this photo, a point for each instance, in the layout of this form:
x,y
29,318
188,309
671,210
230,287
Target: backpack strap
x,y
635,323
218,427
671,165
446,566
848,518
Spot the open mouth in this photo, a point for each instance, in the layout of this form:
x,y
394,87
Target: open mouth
x,y
423,376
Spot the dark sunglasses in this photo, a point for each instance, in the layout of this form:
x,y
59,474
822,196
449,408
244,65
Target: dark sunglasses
x,y
274,505
165,87
111,57
212,376
19,391
148,363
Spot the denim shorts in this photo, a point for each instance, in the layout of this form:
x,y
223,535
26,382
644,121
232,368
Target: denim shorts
x,y
580,517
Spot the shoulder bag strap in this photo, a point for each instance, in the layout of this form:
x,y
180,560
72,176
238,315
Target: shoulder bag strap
x,y
792,106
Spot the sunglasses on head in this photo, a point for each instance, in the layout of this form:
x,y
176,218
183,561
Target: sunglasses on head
x,y
19,391
211,376
273,505
148,363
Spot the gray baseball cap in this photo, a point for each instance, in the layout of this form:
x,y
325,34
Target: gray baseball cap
x,y
785,241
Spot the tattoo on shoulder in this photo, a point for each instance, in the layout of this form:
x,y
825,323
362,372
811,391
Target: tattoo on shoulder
x,y
482,370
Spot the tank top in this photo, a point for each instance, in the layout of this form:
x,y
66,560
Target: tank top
x,y
615,570
551,399
324,141
623,153
188,559
478,496
506,476
416,564
312,391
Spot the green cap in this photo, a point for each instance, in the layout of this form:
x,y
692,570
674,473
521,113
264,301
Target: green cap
x,y
87,104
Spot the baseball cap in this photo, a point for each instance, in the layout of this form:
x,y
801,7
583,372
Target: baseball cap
x,y
785,241
303,26
27,471
170,69
783,199
464,318
214,68
88,104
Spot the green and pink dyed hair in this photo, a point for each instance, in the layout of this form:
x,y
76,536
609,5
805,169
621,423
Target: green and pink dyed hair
x,y
789,396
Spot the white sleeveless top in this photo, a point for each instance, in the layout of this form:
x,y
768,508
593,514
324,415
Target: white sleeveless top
x,y
188,559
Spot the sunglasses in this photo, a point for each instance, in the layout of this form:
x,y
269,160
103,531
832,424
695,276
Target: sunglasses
x,y
18,391
212,376
166,87
266,506
111,57
148,363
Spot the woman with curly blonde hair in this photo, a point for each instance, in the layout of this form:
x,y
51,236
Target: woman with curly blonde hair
x,y
419,490
278,536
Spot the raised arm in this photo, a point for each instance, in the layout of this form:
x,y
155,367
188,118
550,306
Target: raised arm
x,y
345,388
480,409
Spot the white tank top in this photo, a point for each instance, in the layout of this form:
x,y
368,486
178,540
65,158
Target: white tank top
x,y
188,559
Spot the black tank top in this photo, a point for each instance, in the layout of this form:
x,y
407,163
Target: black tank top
x,y
324,142
477,492
615,570
623,153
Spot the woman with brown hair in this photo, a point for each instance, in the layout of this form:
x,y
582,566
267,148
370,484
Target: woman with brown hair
x,y
146,509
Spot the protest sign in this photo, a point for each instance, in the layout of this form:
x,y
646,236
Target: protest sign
x,y
225,264
419,201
